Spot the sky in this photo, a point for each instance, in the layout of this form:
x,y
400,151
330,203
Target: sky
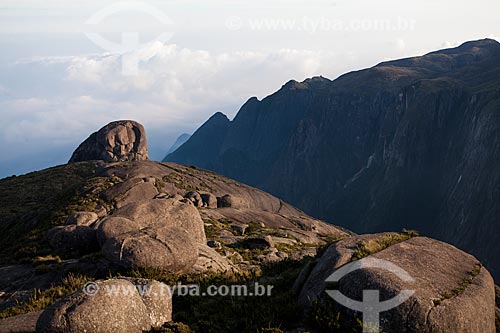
x,y
69,68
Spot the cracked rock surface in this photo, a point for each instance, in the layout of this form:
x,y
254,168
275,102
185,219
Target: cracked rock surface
x,y
123,140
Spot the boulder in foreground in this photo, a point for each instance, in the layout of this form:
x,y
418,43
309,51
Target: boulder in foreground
x,y
116,305
453,292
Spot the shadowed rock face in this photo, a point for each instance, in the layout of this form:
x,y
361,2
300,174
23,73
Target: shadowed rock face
x,y
123,140
412,143
212,134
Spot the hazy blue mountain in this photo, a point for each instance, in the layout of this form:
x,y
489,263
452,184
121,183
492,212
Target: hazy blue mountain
x,y
409,143
179,142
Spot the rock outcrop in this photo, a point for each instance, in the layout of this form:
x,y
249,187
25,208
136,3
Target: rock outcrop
x,y
161,234
195,198
164,248
412,143
81,219
123,140
210,261
117,305
73,240
165,212
231,201
151,218
209,200
112,227
452,291
336,256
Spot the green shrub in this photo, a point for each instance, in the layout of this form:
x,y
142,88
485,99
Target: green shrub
x,y
243,314
172,327
271,330
367,248
461,288
323,316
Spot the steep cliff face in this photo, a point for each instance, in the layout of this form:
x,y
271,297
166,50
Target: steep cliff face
x,y
410,143
204,145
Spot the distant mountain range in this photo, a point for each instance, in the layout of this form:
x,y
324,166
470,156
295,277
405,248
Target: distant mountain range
x,y
411,143
178,142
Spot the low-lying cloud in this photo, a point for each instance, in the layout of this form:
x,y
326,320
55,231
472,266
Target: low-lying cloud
x,y
49,105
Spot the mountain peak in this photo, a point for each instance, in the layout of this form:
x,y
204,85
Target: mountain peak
x,y
251,101
204,143
313,82
218,117
316,79
179,142
476,46
446,59
295,85
218,114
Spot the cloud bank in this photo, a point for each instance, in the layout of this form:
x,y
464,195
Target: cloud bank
x,y
49,105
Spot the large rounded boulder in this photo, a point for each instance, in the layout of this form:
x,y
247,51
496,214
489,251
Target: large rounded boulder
x,y
211,261
165,212
81,218
73,240
111,227
232,201
450,290
336,255
169,249
116,305
123,140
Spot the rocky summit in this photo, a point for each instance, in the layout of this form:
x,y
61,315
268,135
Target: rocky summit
x,y
95,246
123,140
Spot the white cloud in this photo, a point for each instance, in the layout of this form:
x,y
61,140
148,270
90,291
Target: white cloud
x,y
448,44
59,101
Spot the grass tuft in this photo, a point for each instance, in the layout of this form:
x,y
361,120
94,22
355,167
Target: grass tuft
x,y
367,248
42,299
